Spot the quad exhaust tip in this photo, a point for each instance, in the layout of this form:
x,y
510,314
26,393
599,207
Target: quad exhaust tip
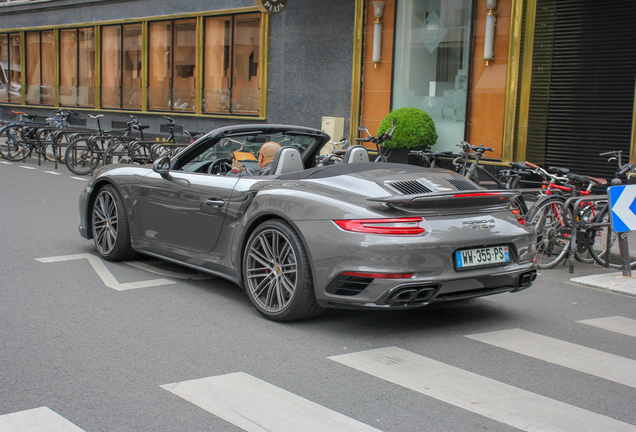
x,y
411,295
526,279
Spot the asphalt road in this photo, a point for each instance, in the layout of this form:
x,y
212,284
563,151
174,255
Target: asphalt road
x,y
99,346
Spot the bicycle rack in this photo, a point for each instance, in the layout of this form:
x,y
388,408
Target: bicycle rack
x,y
577,225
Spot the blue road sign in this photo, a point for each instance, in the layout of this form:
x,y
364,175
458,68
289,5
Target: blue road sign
x,y
623,205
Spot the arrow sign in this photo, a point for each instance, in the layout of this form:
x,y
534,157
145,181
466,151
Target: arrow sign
x,y
623,205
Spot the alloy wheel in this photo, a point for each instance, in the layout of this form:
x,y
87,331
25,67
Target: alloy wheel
x,y
272,270
105,222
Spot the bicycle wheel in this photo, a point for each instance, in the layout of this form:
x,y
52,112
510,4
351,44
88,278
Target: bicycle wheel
x,y
80,157
382,159
552,241
587,214
11,145
598,245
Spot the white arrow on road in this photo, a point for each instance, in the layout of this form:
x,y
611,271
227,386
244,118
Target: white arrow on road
x,y
109,280
621,207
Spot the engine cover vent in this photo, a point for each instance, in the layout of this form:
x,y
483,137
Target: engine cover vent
x,y
409,187
463,185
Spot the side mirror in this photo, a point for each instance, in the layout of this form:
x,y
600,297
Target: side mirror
x,y
162,166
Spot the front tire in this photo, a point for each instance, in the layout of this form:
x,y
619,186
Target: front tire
x,y
11,145
277,274
80,157
110,225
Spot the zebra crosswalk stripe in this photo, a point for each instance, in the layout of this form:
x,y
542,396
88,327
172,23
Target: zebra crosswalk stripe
x,y
484,396
562,353
41,419
616,324
257,406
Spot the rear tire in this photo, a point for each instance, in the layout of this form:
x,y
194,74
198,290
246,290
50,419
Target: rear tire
x,y
277,274
111,232
547,219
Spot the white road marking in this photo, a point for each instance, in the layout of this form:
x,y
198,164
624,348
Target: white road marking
x,y
615,324
52,172
106,276
78,178
6,163
257,406
27,167
40,419
484,396
168,273
566,354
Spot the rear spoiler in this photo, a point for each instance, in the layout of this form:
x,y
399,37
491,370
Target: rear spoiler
x,y
452,199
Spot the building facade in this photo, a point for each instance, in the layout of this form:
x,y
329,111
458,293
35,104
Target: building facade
x,y
551,81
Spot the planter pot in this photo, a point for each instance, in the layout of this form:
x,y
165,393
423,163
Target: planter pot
x,y
398,155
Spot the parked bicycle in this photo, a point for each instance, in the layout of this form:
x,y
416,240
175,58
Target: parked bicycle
x,y
19,140
590,220
429,157
84,154
383,152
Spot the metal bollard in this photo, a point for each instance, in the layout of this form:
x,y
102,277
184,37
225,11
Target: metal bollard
x,y
623,246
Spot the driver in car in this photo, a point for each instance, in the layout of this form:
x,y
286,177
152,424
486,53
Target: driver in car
x,y
265,158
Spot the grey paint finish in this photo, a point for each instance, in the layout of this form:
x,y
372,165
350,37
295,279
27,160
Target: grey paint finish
x,y
310,55
310,201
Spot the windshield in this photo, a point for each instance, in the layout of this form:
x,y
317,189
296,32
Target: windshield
x,y
246,147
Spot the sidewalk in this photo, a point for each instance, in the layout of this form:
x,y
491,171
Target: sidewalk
x,y
615,282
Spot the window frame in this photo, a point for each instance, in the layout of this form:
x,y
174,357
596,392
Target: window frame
x,y
199,16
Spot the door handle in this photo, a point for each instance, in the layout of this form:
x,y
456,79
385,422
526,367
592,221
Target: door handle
x,y
214,202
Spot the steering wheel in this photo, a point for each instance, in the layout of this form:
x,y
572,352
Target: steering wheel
x,y
220,166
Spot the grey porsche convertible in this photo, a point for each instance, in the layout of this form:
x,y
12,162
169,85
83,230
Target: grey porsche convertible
x,y
312,233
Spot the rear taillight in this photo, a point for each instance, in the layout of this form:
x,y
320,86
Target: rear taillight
x,y
519,216
397,226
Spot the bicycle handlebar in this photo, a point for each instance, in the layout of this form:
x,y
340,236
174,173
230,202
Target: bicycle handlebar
x,y
625,168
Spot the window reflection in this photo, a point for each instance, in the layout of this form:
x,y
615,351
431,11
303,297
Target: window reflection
x,y
77,67
121,66
232,64
171,83
10,68
40,67
432,61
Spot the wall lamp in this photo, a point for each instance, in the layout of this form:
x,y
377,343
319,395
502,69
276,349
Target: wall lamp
x,y
378,10
489,42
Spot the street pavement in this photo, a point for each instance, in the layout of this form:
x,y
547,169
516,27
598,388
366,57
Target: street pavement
x,y
89,345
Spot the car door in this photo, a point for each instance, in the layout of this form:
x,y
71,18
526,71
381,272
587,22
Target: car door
x,y
183,210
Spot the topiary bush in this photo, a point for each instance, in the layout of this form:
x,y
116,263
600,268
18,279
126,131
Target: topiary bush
x,y
414,128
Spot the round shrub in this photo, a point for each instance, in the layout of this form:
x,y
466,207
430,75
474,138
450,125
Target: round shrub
x,y
414,128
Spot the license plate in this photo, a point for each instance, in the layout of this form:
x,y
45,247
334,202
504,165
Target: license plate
x,y
482,256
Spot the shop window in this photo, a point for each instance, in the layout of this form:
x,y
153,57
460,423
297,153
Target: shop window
x,y
77,67
121,66
40,67
231,81
10,68
171,65
432,61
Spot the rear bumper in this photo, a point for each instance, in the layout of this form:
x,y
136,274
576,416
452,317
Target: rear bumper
x,y
420,293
